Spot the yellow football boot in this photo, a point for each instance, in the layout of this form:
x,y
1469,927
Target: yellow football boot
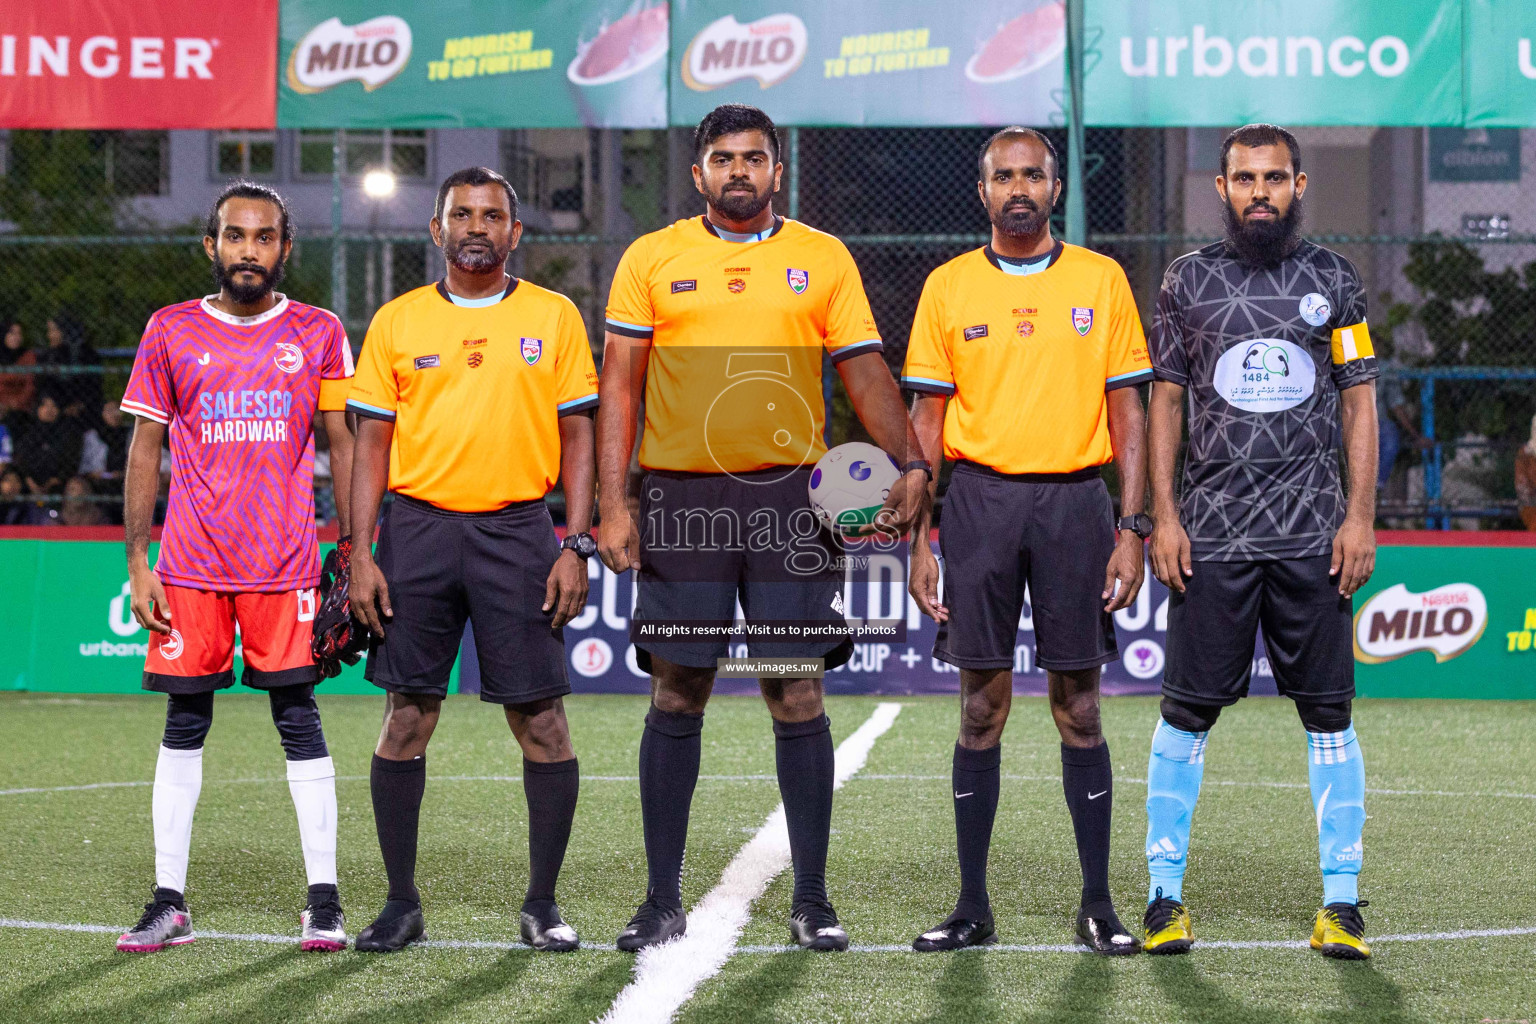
x,y
1167,927
1339,932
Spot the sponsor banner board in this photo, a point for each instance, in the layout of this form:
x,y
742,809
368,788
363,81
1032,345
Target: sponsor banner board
x,y
151,65
473,63
1316,62
1500,64
900,62
1432,622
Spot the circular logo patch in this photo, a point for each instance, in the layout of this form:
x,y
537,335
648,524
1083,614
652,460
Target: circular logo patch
x,y
1025,328
592,657
1315,309
1144,659
171,647
289,358
736,285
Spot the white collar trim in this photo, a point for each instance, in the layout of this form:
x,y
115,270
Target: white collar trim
x,y
246,321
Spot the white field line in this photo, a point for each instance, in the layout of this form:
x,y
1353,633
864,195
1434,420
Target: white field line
x,y
666,976
1053,779
1460,935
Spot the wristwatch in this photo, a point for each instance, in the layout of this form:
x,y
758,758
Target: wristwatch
x,y
581,543
1140,524
922,464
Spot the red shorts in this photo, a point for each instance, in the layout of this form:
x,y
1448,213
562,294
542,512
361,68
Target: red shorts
x,y
197,655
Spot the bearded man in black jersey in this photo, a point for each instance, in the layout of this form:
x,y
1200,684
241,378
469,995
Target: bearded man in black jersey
x,y
1263,335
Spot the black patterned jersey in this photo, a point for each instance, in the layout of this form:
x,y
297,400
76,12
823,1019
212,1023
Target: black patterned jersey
x,y
1262,354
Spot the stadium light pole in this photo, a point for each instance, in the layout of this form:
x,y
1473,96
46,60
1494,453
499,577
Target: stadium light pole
x,y
338,255
1077,209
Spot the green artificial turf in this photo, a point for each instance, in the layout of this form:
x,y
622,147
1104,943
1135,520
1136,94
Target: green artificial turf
x,y
1445,860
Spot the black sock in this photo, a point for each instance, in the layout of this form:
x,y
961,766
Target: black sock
x,y
804,757
976,782
397,787
551,792
669,769
322,893
1087,778
171,896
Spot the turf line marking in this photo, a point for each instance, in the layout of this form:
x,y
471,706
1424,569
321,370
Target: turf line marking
x,y
598,947
666,976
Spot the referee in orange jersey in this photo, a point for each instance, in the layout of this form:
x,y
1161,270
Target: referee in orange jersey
x,y
473,395
1025,356
721,321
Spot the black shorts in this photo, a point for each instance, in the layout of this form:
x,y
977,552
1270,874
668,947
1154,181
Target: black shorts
x,y
707,539
1307,632
491,568
1053,533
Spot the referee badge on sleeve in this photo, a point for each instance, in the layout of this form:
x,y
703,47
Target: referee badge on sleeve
x,y
532,349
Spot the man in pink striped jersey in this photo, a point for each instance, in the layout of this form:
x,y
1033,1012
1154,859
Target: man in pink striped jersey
x,y
236,379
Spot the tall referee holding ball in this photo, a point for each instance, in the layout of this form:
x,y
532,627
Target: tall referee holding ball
x,y
1025,357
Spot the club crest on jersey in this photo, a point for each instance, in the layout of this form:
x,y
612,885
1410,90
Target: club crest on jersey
x,y
532,349
172,646
798,280
289,358
1082,319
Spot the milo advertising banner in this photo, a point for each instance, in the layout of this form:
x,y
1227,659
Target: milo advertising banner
x,y
1218,63
1433,622
473,63
1501,68
898,62
1448,622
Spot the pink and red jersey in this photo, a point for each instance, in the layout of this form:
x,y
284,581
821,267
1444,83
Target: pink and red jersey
x,y
239,395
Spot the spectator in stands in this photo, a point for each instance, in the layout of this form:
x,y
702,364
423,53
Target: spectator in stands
x,y
15,388
1525,479
48,451
80,508
15,509
105,446
67,346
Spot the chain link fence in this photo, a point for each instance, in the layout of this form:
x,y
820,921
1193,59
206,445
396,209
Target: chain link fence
x,y
98,229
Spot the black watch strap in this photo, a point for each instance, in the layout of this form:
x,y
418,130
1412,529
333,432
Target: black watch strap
x,y
1139,524
583,544
922,464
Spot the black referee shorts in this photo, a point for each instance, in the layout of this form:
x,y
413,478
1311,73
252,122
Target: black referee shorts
x,y
705,543
999,533
1307,632
491,568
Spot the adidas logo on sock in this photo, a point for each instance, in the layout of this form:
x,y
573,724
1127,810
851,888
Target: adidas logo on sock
x,y
1351,853
1164,849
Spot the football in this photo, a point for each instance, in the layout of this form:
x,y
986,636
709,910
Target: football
x,y
850,484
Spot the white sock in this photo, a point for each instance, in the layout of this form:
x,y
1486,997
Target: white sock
x,y
313,785
178,781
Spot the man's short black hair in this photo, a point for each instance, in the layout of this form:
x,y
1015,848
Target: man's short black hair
x,y
1255,135
474,176
730,118
1016,132
243,189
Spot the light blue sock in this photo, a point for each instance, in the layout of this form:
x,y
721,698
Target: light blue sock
x,y
1174,772
1337,773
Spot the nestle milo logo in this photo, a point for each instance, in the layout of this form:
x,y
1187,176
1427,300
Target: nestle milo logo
x,y
371,52
1446,621
768,49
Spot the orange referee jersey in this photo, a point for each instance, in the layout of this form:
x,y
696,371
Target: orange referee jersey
x,y
1027,360
475,393
737,331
